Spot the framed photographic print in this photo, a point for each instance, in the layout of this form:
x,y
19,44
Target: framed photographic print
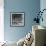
x,y
17,19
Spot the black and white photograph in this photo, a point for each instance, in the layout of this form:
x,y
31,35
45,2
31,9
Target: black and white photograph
x,y
17,18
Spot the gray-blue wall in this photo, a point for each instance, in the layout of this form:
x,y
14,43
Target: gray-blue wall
x,y
30,7
43,6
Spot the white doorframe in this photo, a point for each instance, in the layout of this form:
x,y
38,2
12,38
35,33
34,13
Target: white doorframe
x,y
1,20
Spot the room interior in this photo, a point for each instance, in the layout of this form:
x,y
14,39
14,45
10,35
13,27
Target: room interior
x,y
17,27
